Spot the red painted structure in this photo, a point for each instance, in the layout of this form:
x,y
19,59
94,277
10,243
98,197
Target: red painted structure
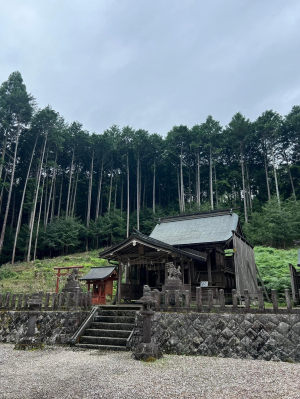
x,y
101,279
63,274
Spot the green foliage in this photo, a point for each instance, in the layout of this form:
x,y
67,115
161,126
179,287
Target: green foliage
x,y
63,234
275,225
273,265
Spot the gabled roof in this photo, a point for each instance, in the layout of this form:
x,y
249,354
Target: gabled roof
x,y
99,273
196,229
128,246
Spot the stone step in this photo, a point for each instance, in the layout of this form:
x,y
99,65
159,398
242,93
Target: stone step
x,y
114,319
107,333
122,307
112,326
102,347
119,312
103,340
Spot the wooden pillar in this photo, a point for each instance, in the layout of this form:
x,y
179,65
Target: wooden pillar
x,y
120,272
190,274
182,270
57,280
209,277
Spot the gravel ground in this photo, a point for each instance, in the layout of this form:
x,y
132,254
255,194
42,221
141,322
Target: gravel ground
x,y
66,373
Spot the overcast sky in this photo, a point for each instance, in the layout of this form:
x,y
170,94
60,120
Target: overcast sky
x,y
153,64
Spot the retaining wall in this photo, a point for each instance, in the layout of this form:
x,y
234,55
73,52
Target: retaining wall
x,y
52,327
251,336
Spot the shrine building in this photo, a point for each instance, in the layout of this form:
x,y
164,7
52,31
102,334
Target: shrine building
x,y
209,247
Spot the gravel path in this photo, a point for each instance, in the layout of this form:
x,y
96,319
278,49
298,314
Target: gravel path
x,y
65,373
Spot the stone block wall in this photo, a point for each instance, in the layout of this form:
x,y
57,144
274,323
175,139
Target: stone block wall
x,y
52,327
251,336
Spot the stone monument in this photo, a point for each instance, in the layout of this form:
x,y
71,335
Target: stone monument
x,y
173,285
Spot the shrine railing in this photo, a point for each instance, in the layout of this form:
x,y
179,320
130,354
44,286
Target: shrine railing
x,y
50,301
246,303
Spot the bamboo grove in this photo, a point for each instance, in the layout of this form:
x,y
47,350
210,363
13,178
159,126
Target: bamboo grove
x,y
64,189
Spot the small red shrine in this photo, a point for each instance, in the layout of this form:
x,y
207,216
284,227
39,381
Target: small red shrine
x,y
101,279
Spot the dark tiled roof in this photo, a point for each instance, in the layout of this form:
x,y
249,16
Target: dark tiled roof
x,y
99,273
196,229
108,253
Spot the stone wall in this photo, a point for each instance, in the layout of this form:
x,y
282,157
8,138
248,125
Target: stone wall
x,y
52,327
251,336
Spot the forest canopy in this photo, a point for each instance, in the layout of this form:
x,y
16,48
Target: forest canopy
x,y
65,189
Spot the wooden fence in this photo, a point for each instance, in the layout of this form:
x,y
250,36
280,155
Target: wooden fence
x,y
50,301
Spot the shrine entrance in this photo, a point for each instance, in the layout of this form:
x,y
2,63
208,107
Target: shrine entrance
x,y
100,282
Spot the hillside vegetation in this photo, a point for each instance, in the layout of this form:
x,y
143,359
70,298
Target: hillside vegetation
x,y
272,263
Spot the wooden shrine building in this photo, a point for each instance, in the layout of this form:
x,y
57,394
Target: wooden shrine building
x,y
209,247
101,280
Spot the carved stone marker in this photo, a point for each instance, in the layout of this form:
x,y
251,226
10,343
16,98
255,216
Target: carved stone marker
x,y
30,341
147,350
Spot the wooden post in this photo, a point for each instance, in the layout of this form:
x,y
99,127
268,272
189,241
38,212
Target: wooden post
x,y
234,299
120,272
261,303
222,299
274,300
288,299
1,300
210,300
57,280
247,300
199,299
20,299
7,300
53,302
209,277
177,298
60,300
26,297
13,301
47,298
190,274
167,299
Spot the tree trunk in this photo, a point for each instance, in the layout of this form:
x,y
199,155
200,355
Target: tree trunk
x,y
99,192
198,180
2,191
267,178
110,187
244,188
3,156
275,176
35,202
128,203
53,201
181,185
216,186
10,190
75,194
290,175
211,181
249,188
88,216
153,194
179,193
38,223
122,196
138,192
116,190
13,213
21,205
70,181
60,195
50,193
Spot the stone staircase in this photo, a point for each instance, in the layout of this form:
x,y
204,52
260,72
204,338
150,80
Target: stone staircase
x,y
110,329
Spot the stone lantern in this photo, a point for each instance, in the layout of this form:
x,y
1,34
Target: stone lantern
x,y
147,349
29,341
